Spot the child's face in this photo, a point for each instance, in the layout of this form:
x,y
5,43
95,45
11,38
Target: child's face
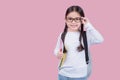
x,y
73,21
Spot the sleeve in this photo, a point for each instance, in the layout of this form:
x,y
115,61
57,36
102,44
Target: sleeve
x,y
94,37
59,45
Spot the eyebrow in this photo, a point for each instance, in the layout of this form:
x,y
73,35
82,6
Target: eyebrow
x,y
74,17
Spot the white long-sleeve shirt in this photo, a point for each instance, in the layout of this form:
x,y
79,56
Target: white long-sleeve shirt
x,y
75,65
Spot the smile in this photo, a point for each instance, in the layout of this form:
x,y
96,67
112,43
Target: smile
x,y
73,26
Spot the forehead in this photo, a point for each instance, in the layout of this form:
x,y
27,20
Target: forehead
x,y
73,14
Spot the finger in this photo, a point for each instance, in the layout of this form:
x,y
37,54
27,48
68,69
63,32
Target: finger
x,y
60,54
59,57
82,18
82,21
86,20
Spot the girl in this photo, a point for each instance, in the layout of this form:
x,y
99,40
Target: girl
x,y
74,66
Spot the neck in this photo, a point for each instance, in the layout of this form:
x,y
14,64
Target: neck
x,y
69,30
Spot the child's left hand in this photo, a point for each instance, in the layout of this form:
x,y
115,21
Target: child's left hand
x,y
84,20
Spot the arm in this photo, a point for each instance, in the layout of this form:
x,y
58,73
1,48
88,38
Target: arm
x,y
94,37
58,45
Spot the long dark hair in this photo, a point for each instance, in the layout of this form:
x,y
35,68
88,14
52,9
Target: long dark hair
x,y
79,10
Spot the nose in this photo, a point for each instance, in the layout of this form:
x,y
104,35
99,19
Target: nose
x,y
73,21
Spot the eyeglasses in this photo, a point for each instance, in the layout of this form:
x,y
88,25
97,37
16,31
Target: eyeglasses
x,y
70,19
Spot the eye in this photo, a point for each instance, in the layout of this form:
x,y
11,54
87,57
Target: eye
x,y
69,18
77,18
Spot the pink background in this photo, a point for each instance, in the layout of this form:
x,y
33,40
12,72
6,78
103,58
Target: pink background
x,y
28,35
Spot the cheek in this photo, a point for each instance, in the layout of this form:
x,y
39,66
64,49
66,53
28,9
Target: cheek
x,y
68,24
79,24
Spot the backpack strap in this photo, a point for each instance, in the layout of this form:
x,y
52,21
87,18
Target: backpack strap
x,y
85,46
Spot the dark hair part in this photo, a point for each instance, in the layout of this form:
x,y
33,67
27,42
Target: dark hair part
x,y
79,10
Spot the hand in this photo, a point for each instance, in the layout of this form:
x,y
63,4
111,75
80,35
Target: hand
x,y
84,20
60,55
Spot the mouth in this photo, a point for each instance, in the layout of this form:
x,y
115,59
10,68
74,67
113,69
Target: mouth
x,y
74,26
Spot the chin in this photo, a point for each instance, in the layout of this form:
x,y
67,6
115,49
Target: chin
x,y
75,29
